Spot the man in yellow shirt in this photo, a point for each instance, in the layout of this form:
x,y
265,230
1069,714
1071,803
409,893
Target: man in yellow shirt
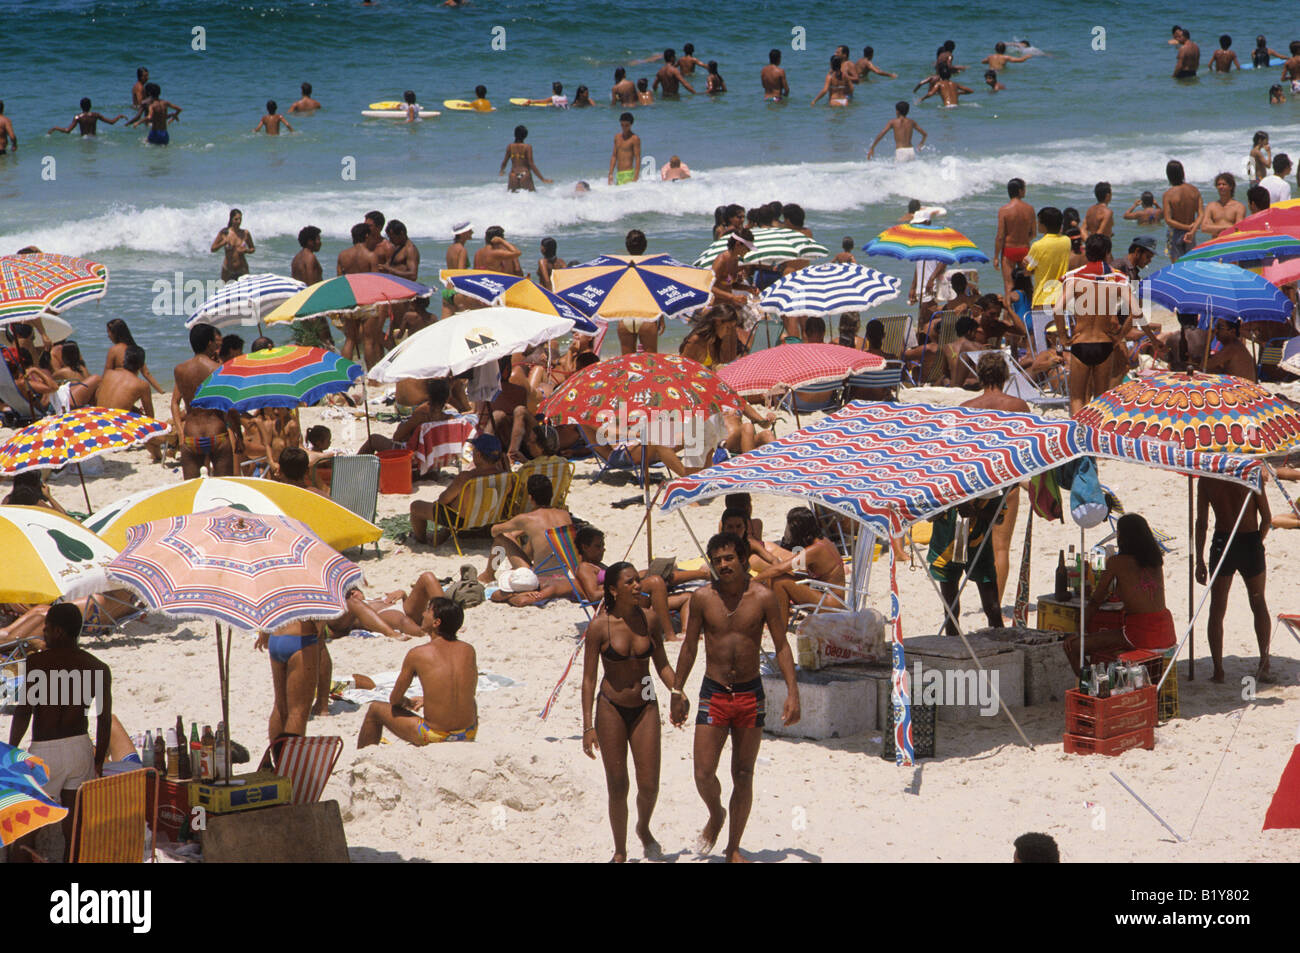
x,y
1048,257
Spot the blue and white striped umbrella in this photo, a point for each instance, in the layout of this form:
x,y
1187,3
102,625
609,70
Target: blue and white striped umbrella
x,y
1214,290
831,288
244,301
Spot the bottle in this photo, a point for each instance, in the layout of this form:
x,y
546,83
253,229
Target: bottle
x,y
160,754
220,747
173,754
1072,572
1084,687
183,770
208,758
1103,683
146,749
1062,578
196,751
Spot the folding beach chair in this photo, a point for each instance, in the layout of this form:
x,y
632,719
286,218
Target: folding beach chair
x,y
95,625
1055,381
1292,623
947,334
620,461
889,377
307,763
108,818
1270,356
565,554
557,469
1018,383
354,485
482,502
22,410
898,332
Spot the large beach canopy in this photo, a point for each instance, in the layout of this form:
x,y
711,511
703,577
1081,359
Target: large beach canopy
x,y
243,301
889,466
925,243
468,339
771,246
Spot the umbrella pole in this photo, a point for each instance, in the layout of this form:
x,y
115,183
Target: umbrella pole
x,y
84,493
1191,578
1209,339
365,404
645,492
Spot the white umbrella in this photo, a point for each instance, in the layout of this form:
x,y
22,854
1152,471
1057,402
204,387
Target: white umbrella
x,y
831,288
456,344
244,301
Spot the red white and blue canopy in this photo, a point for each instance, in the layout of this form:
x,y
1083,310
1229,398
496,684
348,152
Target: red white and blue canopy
x,y
889,466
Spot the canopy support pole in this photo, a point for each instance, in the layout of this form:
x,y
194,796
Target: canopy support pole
x,y
84,492
1083,594
695,540
1191,575
223,674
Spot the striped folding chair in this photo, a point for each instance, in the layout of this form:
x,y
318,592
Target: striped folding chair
x,y
354,485
557,469
307,763
889,377
566,554
482,502
109,816
1270,355
947,334
1018,382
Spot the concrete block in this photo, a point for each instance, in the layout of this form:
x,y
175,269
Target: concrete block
x,y
834,703
962,679
1047,671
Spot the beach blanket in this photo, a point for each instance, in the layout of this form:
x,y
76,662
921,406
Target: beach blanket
x,y
437,444
384,682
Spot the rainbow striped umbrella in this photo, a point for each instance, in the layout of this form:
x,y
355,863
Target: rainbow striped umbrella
x,y
283,376
24,805
39,284
634,286
1253,245
514,291
925,243
346,293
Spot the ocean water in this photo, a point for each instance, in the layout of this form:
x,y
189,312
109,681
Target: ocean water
x,y
1102,105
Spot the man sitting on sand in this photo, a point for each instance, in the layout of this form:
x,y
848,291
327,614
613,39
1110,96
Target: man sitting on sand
x,y
521,542
448,672
488,460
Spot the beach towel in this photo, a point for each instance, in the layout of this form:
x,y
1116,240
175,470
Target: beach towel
x,y
384,682
1045,496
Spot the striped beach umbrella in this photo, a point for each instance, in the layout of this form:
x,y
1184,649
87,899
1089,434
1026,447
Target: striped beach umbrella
x,y
243,301
1253,245
771,246
1214,290
634,286
514,291
276,377
346,293
50,556
37,284
24,805
788,366
830,288
925,243
336,525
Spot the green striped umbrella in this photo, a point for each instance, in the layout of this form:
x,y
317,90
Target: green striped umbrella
x,y
276,377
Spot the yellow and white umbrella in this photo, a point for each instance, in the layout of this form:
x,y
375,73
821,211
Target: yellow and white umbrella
x,y
335,525
50,556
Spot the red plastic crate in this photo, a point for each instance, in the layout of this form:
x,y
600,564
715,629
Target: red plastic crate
x,y
1111,724
173,808
1080,744
1077,703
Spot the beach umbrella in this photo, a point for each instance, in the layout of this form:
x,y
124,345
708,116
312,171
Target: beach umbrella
x,y
1253,245
830,288
634,287
788,366
40,284
247,571
76,436
468,339
24,805
514,291
1214,290
346,293
925,243
1282,272
1284,810
283,376
771,246
336,525
50,556
247,298
1282,215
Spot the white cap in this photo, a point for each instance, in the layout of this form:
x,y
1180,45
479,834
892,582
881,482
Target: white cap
x,y
522,579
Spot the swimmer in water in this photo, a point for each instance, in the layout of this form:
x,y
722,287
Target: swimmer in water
x,y
412,107
306,104
1223,59
775,86
1144,210
643,95
902,128
272,121
86,120
582,97
520,156
991,78
947,89
1262,54
999,58
837,89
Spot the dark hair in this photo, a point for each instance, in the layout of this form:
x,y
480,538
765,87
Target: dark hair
x,y
944,71
774,57
1070,216
625,117
152,89
261,344
317,434
801,527
847,243
991,369
991,74
586,359
739,501
734,513
480,91
307,235
493,231
294,462
875,332
26,495
1174,172
85,104
949,45
669,55
643,84
449,615
1097,247
1133,537
999,47
201,337
1230,179
1034,848
396,227
141,72
72,355
548,249
66,617
231,345
901,107
586,536
1015,187
377,217
408,97
271,106
306,89
1258,195
814,327
793,214
521,133
438,390
721,541
635,242
359,232
849,324
118,332
958,282
688,48
133,359
611,580
1225,41
965,325
1281,164
540,490
1101,191
1049,216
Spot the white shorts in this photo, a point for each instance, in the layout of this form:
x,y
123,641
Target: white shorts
x,y
904,154
70,762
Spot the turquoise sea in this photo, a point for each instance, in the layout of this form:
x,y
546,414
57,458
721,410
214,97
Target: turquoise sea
x,y
1102,105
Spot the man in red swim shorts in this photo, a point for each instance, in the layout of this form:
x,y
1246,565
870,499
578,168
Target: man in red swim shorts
x,y
731,612
1016,229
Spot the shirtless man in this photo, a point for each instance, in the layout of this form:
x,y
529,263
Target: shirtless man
x,y
1223,59
775,86
670,77
1232,356
1189,56
404,262
205,434
137,91
866,67
837,88
731,613
625,160
305,266
947,89
1223,212
902,128
520,542
124,388
237,244
1291,68
623,92
86,121
1182,206
1099,219
1244,556
847,66
159,112
457,257
355,260
643,95
999,58
956,371
375,241
8,138
813,557
488,459
448,672
497,254
1016,230
60,728
306,104
272,121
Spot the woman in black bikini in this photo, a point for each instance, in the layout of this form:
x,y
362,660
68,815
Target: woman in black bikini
x,y
627,637
1103,306
522,167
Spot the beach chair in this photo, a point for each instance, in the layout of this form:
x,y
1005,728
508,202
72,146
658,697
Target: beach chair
x,y
557,469
1018,383
1055,381
947,334
481,503
620,461
1270,356
307,763
1292,623
354,485
109,816
889,377
22,411
565,554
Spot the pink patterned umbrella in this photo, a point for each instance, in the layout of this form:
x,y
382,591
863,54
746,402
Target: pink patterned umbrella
x,y
789,366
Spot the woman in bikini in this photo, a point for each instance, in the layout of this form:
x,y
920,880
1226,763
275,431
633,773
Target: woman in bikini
x,y
1137,574
837,88
627,637
120,336
547,264
1104,308
522,167
41,388
715,83
299,663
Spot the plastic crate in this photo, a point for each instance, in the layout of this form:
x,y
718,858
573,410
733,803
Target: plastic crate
x,y
1081,744
924,731
1105,709
1111,724
1154,662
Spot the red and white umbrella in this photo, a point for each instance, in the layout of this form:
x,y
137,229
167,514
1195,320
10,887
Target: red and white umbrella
x,y
789,366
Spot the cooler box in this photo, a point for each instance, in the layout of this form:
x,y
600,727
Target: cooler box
x,y
260,789
173,807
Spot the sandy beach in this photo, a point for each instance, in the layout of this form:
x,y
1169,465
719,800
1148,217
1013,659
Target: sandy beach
x,y
525,792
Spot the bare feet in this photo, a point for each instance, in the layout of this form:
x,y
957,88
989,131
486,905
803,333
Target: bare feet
x,y
521,599
1264,674
1218,677
618,859
649,846
321,710
709,836
736,857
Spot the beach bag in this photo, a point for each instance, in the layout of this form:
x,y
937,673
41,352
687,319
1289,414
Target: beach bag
x,y
467,592
1087,501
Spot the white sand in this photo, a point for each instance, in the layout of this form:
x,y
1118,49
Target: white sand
x,y
525,791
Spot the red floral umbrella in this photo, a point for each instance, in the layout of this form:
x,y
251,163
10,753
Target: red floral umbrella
x,y
788,366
